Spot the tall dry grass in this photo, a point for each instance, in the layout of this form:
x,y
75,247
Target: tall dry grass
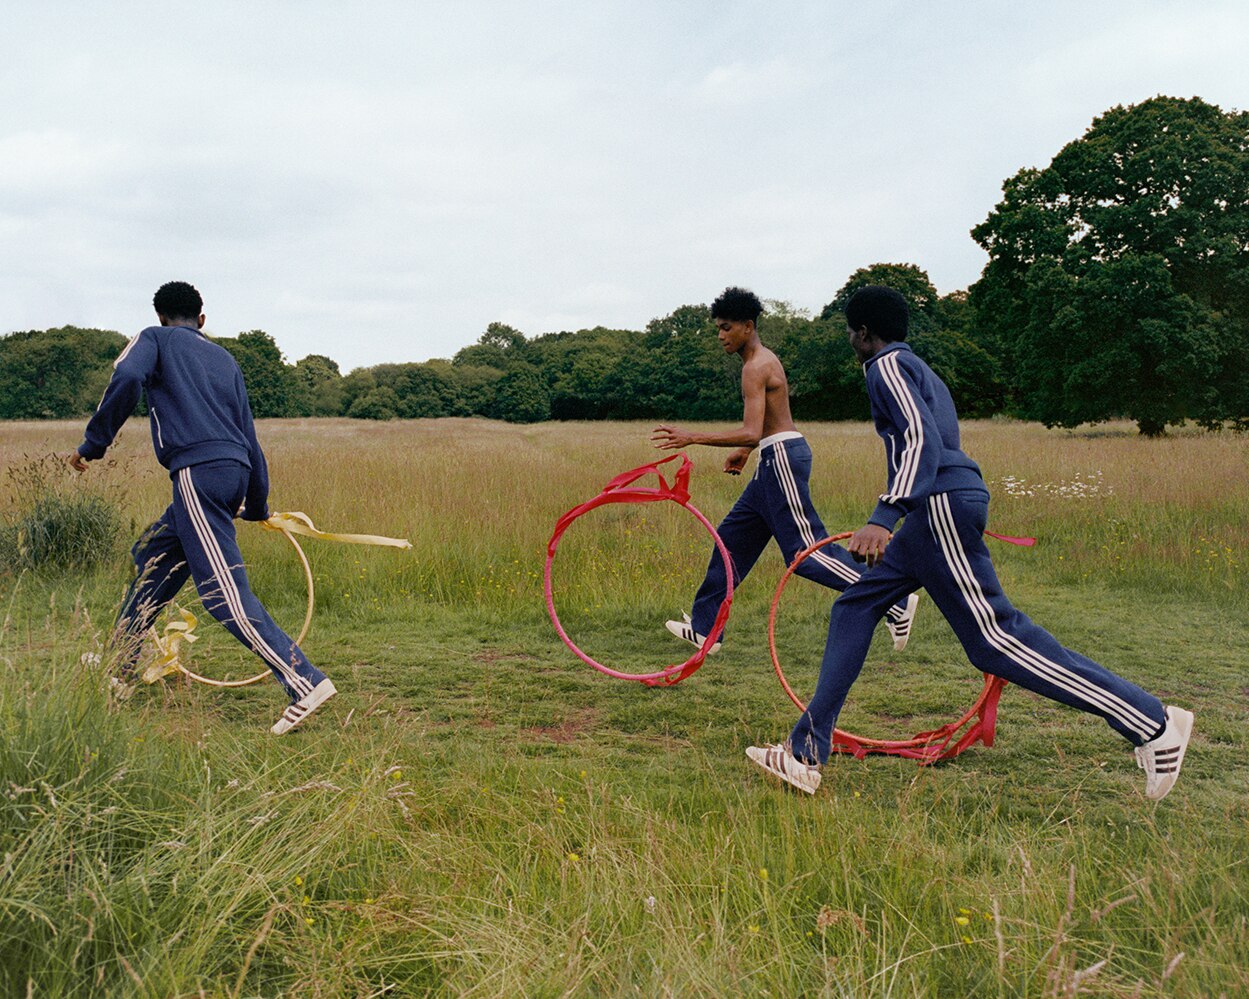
x,y
480,814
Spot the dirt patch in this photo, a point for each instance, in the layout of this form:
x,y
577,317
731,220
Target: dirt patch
x,y
567,730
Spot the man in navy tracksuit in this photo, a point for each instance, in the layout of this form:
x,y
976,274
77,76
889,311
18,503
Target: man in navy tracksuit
x,y
940,492
203,433
777,502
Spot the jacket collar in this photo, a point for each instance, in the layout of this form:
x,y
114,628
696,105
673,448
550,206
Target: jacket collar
x,y
886,349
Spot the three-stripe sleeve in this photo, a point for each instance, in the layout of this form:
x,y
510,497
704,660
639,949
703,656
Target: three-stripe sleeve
x,y
913,467
131,369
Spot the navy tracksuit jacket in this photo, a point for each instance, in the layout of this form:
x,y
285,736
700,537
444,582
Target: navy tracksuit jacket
x,y
940,547
203,433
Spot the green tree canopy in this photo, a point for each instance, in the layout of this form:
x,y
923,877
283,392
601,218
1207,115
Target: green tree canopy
x,y
908,279
1130,250
317,391
271,387
379,403
521,396
500,347
938,333
422,390
56,373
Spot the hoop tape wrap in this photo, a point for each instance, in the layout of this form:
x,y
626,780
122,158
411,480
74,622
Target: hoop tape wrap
x,y
926,747
621,490
178,633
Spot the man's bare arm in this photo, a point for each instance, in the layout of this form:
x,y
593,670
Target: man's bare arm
x,y
748,435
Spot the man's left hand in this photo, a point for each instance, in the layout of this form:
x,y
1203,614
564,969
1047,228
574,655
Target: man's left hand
x,y
76,461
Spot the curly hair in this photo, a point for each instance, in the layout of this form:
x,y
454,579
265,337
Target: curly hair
x,y
882,310
737,305
178,300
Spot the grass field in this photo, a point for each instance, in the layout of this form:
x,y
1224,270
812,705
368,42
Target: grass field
x,y
479,813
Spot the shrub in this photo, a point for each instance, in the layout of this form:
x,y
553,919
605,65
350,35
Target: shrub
x,y
59,523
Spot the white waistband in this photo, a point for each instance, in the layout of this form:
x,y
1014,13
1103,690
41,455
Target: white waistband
x,y
784,435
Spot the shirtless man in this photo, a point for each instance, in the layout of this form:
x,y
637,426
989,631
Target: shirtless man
x,y
777,502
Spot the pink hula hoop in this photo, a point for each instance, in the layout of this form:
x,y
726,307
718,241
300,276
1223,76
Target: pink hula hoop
x,y
616,492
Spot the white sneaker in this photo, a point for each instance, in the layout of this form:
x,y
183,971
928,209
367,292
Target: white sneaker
x,y
1160,758
780,762
901,628
685,631
297,713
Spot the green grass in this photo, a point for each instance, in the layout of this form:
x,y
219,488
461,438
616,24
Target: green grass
x,y
479,813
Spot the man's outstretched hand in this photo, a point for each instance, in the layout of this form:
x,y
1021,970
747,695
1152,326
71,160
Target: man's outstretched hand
x,y
868,543
76,461
668,438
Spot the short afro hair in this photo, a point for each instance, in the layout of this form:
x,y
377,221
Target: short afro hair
x,y
178,300
882,310
737,305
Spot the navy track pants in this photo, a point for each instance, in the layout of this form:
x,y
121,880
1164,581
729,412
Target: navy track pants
x,y
776,504
195,537
940,547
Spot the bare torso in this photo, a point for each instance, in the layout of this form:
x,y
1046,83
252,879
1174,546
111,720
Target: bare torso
x,y
770,373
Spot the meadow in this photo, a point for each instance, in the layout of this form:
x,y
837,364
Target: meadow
x,y
479,813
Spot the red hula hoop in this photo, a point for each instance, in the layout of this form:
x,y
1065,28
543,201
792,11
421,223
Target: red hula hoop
x,y
616,492
926,747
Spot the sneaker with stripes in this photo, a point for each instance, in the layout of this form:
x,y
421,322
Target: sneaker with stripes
x,y
780,762
685,631
298,713
901,628
1160,758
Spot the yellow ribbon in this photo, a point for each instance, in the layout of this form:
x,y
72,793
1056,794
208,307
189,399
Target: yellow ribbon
x,y
177,633
300,523
168,646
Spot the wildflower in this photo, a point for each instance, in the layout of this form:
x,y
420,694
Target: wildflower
x,y
309,920
754,927
369,901
305,900
573,857
961,920
763,873
650,903
298,880
966,940
964,912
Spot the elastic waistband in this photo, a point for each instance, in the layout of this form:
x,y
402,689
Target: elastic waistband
x,y
784,435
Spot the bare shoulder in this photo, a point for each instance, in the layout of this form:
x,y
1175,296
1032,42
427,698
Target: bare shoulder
x,y
764,365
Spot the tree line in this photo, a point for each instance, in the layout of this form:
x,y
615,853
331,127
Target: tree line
x,y
1117,286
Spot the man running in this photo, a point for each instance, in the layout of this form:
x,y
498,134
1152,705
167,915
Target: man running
x,y
777,501
940,546
203,433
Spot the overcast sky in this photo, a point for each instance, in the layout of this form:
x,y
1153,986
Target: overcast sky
x,y
378,181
